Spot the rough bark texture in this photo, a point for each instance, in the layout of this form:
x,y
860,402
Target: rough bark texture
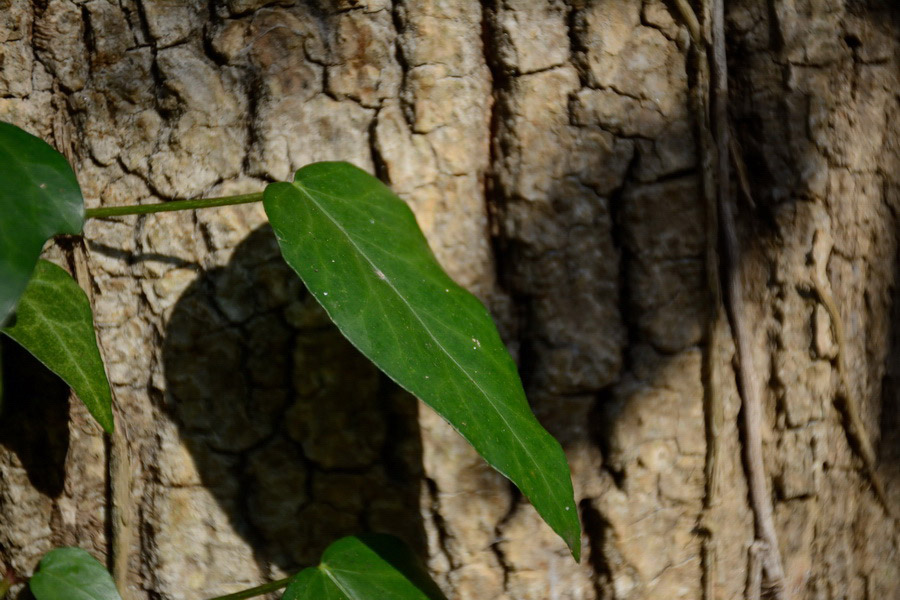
x,y
549,149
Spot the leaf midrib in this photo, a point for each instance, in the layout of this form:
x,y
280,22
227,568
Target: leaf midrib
x,y
324,568
49,322
412,310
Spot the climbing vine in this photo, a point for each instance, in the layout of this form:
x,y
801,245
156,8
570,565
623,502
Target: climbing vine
x,y
358,249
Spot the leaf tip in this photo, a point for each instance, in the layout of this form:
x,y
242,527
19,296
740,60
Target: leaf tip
x,y
107,423
570,530
575,548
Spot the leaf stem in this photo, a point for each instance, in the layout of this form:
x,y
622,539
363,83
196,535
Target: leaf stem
x,y
145,209
259,590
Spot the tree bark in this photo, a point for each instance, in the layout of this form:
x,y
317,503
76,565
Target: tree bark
x,y
552,153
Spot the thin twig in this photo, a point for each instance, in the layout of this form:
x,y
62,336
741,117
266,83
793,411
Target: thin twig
x,y
708,556
119,470
755,559
713,409
690,20
847,402
266,588
740,168
748,375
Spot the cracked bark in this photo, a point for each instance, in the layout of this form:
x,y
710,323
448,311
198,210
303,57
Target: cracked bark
x,y
549,150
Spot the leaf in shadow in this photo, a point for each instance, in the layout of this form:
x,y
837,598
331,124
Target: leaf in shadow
x,y
368,567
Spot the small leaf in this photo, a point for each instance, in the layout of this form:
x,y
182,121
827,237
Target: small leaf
x,y
54,323
39,198
360,252
72,574
367,567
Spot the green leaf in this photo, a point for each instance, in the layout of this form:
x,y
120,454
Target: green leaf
x,y
54,323
368,567
72,574
360,252
39,198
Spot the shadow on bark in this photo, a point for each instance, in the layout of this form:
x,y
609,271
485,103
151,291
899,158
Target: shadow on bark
x,y
889,447
838,179
297,435
35,418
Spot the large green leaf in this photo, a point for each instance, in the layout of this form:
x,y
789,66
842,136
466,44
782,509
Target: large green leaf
x,y
54,323
72,574
368,567
360,252
39,198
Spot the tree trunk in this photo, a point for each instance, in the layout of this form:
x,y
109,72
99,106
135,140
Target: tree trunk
x,y
553,156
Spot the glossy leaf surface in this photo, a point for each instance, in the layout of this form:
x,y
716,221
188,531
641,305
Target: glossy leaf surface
x,y
39,198
368,567
54,323
72,574
359,250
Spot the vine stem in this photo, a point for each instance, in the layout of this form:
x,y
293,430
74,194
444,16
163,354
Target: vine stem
x,y
259,590
748,377
146,209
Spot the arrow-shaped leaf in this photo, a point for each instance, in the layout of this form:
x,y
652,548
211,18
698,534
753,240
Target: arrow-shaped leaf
x,y
39,198
54,323
368,567
72,574
360,252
